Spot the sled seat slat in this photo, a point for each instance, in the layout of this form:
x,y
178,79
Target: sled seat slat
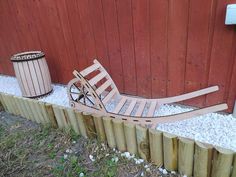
x,y
151,109
103,87
109,96
89,69
119,105
131,107
139,112
97,78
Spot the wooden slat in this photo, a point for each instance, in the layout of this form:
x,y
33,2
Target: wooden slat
x,y
109,96
130,108
140,108
97,78
151,109
103,87
119,105
89,69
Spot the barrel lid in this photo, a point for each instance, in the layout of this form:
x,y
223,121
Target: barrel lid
x,y
26,56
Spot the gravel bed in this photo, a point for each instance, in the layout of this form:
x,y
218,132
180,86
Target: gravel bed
x,y
216,129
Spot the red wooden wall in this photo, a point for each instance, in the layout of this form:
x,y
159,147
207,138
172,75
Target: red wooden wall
x,y
152,48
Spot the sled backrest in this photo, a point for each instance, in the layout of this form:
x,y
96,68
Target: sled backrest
x,y
98,81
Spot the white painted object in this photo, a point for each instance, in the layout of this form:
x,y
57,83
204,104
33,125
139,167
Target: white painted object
x,y
216,129
230,14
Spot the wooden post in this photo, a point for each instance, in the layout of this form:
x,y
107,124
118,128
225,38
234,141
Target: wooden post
x,y
37,113
89,125
73,121
202,160
130,137
30,110
156,148
13,104
119,134
8,105
99,127
143,142
18,107
60,117
44,112
2,102
185,156
109,132
82,126
21,113
170,145
234,167
22,107
50,115
222,162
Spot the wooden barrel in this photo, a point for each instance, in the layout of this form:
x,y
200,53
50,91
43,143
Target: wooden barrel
x,y
32,73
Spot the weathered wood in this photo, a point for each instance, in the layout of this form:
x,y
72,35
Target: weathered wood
x,y
222,161
44,112
13,104
101,135
30,110
60,117
140,108
202,160
37,110
170,146
143,142
81,124
22,107
8,104
234,167
19,106
109,132
156,146
89,125
185,156
2,102
119,135
51,115
130,137
73,120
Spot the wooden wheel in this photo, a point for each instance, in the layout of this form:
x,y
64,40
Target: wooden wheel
x,y
79,93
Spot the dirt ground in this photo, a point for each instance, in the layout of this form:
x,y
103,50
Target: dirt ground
x,y
29,149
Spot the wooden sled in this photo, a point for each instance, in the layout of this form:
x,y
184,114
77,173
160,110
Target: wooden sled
x,y
93,89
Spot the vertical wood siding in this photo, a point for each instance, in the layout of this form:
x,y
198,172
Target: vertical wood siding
x,y
151,48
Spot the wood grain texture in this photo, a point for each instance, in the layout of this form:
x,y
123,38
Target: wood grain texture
x,y
151,48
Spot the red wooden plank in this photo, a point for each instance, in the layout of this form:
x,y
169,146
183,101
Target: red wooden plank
x,y
232,88
113,41
78,39
8,36
68,39
198,41
221,58
60,55
177,37
97,18
141,24
158,46
87,31
125,23
41,27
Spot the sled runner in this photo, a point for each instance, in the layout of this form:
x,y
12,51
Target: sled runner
x,y
93,91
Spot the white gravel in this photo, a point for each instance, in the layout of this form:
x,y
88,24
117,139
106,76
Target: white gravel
x,y
216,129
